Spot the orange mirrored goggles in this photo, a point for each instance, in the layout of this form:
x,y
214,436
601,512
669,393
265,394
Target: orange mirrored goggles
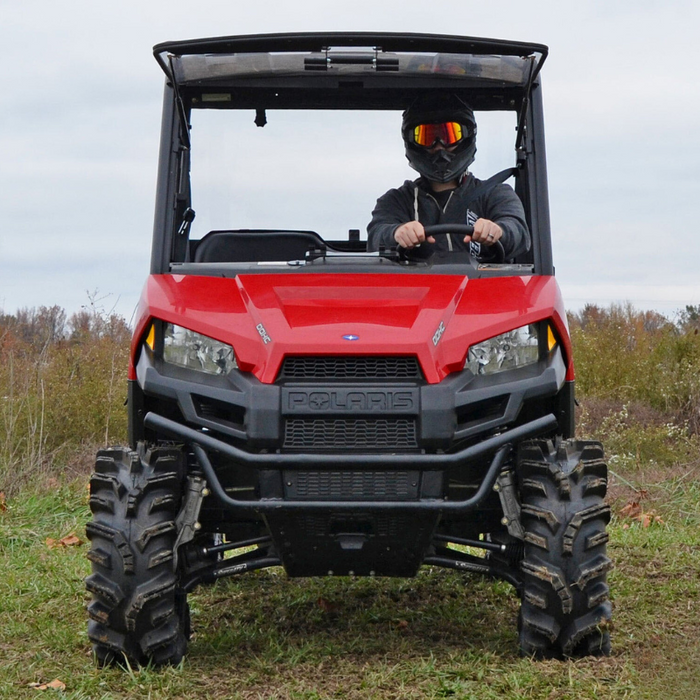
x,y
448,133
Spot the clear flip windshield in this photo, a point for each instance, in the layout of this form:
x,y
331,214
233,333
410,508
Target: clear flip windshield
x,y
503,70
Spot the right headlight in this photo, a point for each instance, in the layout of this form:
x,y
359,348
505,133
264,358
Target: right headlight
x,y
186,348
517,348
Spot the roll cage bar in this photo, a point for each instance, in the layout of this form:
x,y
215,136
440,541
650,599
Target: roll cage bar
x,y
376,82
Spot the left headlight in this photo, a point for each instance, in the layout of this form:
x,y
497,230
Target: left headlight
x,y
186,348
516,348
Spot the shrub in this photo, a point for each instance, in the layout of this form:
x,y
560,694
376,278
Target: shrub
x,y
62,385
631,356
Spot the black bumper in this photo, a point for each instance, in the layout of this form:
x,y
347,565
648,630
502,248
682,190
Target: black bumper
x,y
461,421
257,416
498,446
363,511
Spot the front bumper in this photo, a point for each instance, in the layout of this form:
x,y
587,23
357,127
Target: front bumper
x,y
435,417
498,446
465,425
369,510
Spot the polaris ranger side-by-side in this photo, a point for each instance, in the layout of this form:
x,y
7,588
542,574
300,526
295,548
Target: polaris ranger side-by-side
x,y
299,401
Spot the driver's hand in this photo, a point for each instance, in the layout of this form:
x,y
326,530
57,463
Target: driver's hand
x,y
485,232
411,234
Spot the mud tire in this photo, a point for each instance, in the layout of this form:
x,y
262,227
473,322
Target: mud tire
x,y
138,611
565,609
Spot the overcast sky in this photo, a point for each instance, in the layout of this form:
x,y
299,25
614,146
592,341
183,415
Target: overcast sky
x,y
80,117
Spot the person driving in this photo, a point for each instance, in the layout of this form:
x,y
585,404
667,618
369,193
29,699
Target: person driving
x,y
439,132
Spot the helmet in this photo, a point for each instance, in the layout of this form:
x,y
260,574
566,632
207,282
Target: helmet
x,y
441,165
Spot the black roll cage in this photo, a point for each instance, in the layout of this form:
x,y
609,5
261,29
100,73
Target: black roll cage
x,y
316,89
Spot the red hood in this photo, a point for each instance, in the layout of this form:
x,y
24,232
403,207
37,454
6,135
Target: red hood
x,y
388,314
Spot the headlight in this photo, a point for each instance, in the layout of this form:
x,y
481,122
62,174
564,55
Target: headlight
x,y
186,348
509,350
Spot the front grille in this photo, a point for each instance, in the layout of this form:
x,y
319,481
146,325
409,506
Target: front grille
x,y
376,524
342,433
328,367
348,485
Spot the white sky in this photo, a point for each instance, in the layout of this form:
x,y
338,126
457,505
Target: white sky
x,y
80,115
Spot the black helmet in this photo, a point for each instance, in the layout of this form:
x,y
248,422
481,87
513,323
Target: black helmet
x,y
437,108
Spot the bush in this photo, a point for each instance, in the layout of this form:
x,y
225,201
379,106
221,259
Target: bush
x,y
62,386
632,356
638,381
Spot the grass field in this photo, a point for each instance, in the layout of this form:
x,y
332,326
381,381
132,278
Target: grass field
x,y
440,635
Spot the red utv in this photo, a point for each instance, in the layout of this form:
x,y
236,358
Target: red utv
x,y
298,401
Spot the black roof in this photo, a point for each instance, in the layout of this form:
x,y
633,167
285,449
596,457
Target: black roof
x,y
317,41
376,70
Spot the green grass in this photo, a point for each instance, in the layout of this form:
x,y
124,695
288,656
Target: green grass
x,y
440,635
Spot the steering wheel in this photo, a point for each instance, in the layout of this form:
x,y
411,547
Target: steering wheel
x,y
465,230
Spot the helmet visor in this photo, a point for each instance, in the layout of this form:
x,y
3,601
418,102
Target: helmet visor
x,y
448,133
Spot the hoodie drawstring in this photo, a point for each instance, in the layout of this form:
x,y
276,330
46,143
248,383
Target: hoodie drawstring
x,y
415,212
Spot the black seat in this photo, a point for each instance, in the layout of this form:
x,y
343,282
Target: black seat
x,y
255,246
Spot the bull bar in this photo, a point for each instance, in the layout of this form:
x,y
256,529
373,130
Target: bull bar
x,y
499,445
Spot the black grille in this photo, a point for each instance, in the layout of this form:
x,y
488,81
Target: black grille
x,y
375,524
335,433
350,368
347,485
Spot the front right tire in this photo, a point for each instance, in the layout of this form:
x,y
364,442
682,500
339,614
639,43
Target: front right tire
x,y
138,611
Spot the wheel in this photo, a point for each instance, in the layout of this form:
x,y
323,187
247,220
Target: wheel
x,y
565,608
138,610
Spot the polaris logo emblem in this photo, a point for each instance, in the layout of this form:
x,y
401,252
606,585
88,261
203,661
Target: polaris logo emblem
x,y
319,401
351,337
351,401
263,333
438,333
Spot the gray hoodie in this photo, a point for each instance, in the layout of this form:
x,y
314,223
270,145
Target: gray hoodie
x,y
414,201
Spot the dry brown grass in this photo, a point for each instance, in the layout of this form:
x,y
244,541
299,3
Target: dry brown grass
x,y
62,392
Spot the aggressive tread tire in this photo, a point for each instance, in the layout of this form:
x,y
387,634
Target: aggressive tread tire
x,y
565,610
138,612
